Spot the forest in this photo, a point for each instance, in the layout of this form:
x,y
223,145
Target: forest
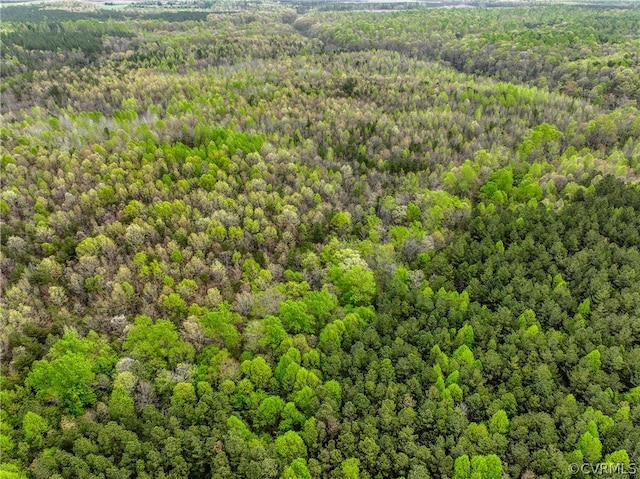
x,y
277,242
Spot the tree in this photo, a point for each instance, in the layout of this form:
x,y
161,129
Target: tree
x,y
258,371
157,345
34,427
499,422
479,467
493,466
306,400
274,333
320,304
465,336
418,471
121,405
357,285
175,306
289,447
268,414
618,457
331,337
315,275
295,318
592,360
589,444
462,468
68,376
350,468
219,325
291,418
341,223
11,471
297,470
183,402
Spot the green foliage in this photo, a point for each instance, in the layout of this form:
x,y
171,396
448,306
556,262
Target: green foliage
x,y
462,468
295,318
121,405
297,470
499,185
465,336
292,418
219,325
493,466
397,245
34,427
350,468
6,443
258,371
593,360
268,414
331,337
335,390
11,471
68,378
290,447
157,344
590,446
274,333
537,139
175,305
357,285
69,371
499,422
341,222
618,457
287,369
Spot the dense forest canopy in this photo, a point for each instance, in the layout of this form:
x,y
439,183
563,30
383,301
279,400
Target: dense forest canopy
x,y
278,242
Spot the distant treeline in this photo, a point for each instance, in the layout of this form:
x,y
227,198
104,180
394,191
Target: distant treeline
x,y
89,42
29,13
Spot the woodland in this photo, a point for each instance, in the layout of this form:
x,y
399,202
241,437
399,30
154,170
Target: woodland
x,y
274,243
